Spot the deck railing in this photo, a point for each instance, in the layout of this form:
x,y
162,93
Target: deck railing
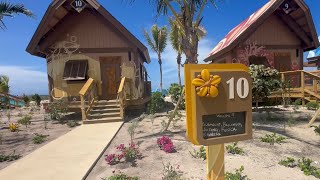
x,y
302,84
122,94
88,96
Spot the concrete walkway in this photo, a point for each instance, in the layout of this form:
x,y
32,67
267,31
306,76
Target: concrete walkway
x,y
67,158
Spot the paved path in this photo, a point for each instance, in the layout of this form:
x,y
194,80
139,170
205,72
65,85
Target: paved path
x,y
67,158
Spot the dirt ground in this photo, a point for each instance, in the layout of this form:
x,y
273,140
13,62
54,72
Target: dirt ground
x,y
20,142
260,160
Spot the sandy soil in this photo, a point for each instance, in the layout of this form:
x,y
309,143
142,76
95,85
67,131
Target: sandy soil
x,y
21,142
260,159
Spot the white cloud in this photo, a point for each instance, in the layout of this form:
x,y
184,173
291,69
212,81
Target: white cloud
x,y
170,71
25,80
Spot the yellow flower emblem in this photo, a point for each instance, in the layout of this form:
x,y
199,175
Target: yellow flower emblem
x,y
206,84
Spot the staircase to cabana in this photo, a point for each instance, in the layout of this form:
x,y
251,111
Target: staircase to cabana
x,y
300,85
102,111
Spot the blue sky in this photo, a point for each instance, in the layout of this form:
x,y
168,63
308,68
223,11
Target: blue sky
x,y
28,73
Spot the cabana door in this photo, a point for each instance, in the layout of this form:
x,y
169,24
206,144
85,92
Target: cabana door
x,y
110,76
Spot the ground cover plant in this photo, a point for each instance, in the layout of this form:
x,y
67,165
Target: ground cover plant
x,y
13,127
166,144
316,129
39,138
272,139
57,110
201,154
171,173
237,175
307,168
289,162
234,149
120,176
11,157
129,154
72,124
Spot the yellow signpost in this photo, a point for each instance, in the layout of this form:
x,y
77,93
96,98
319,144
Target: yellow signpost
x,y
218,108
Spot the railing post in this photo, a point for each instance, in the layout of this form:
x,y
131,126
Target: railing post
x,y
83,110
315,88
302,88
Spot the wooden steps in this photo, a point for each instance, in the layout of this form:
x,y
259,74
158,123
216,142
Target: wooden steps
x,y
104,112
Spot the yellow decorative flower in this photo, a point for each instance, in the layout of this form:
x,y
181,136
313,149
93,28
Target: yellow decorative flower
x,y
206,84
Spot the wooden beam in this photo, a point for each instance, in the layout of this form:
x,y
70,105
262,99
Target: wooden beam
x,y
295,27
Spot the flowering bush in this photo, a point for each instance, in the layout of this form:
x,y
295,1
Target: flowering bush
x,y
130,154
166,144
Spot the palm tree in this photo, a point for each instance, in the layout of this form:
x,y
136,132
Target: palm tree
x,y
157,42
8,10
175,39
4,84
187,15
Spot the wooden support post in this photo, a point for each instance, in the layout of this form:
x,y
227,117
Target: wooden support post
x,y
314,118
83,108
302,88
215,162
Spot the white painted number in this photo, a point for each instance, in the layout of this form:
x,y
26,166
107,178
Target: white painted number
x,y
242,88
231,88
286,6
78,3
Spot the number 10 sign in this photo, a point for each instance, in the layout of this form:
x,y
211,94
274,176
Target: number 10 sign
x,y
218,103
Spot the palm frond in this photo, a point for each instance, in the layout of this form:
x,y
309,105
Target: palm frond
x,y
175,36
149,41
4,84
162,39
8,9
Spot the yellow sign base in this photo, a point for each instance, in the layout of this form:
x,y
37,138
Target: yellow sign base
x,y
215,162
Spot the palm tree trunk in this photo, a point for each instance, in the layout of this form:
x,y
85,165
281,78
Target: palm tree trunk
x,y
160,64
179,66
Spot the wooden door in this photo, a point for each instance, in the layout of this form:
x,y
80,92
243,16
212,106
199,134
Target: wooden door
x,y
282,62
110,76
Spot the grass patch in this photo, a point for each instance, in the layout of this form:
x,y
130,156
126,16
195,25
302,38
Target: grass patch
x,y
8,158
272,139
201,154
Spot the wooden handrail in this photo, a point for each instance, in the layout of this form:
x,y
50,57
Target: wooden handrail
x,y
88,92
122,96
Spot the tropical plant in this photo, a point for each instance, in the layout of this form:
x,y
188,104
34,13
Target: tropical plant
x,y
26,99
4,80
11,157
9,9
312,105
57,110
264,81
307,168
289,162
130,154
72,124
36,98
157,42
316,129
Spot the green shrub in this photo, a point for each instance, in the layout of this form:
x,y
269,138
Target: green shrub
x,y
308,169
264,81
171,173
312,105
157,103
237,175
297,102
175,92
39,138
36,98
120,176
289,162
272,139
201,154
57,110
234,149
26,120
72,124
